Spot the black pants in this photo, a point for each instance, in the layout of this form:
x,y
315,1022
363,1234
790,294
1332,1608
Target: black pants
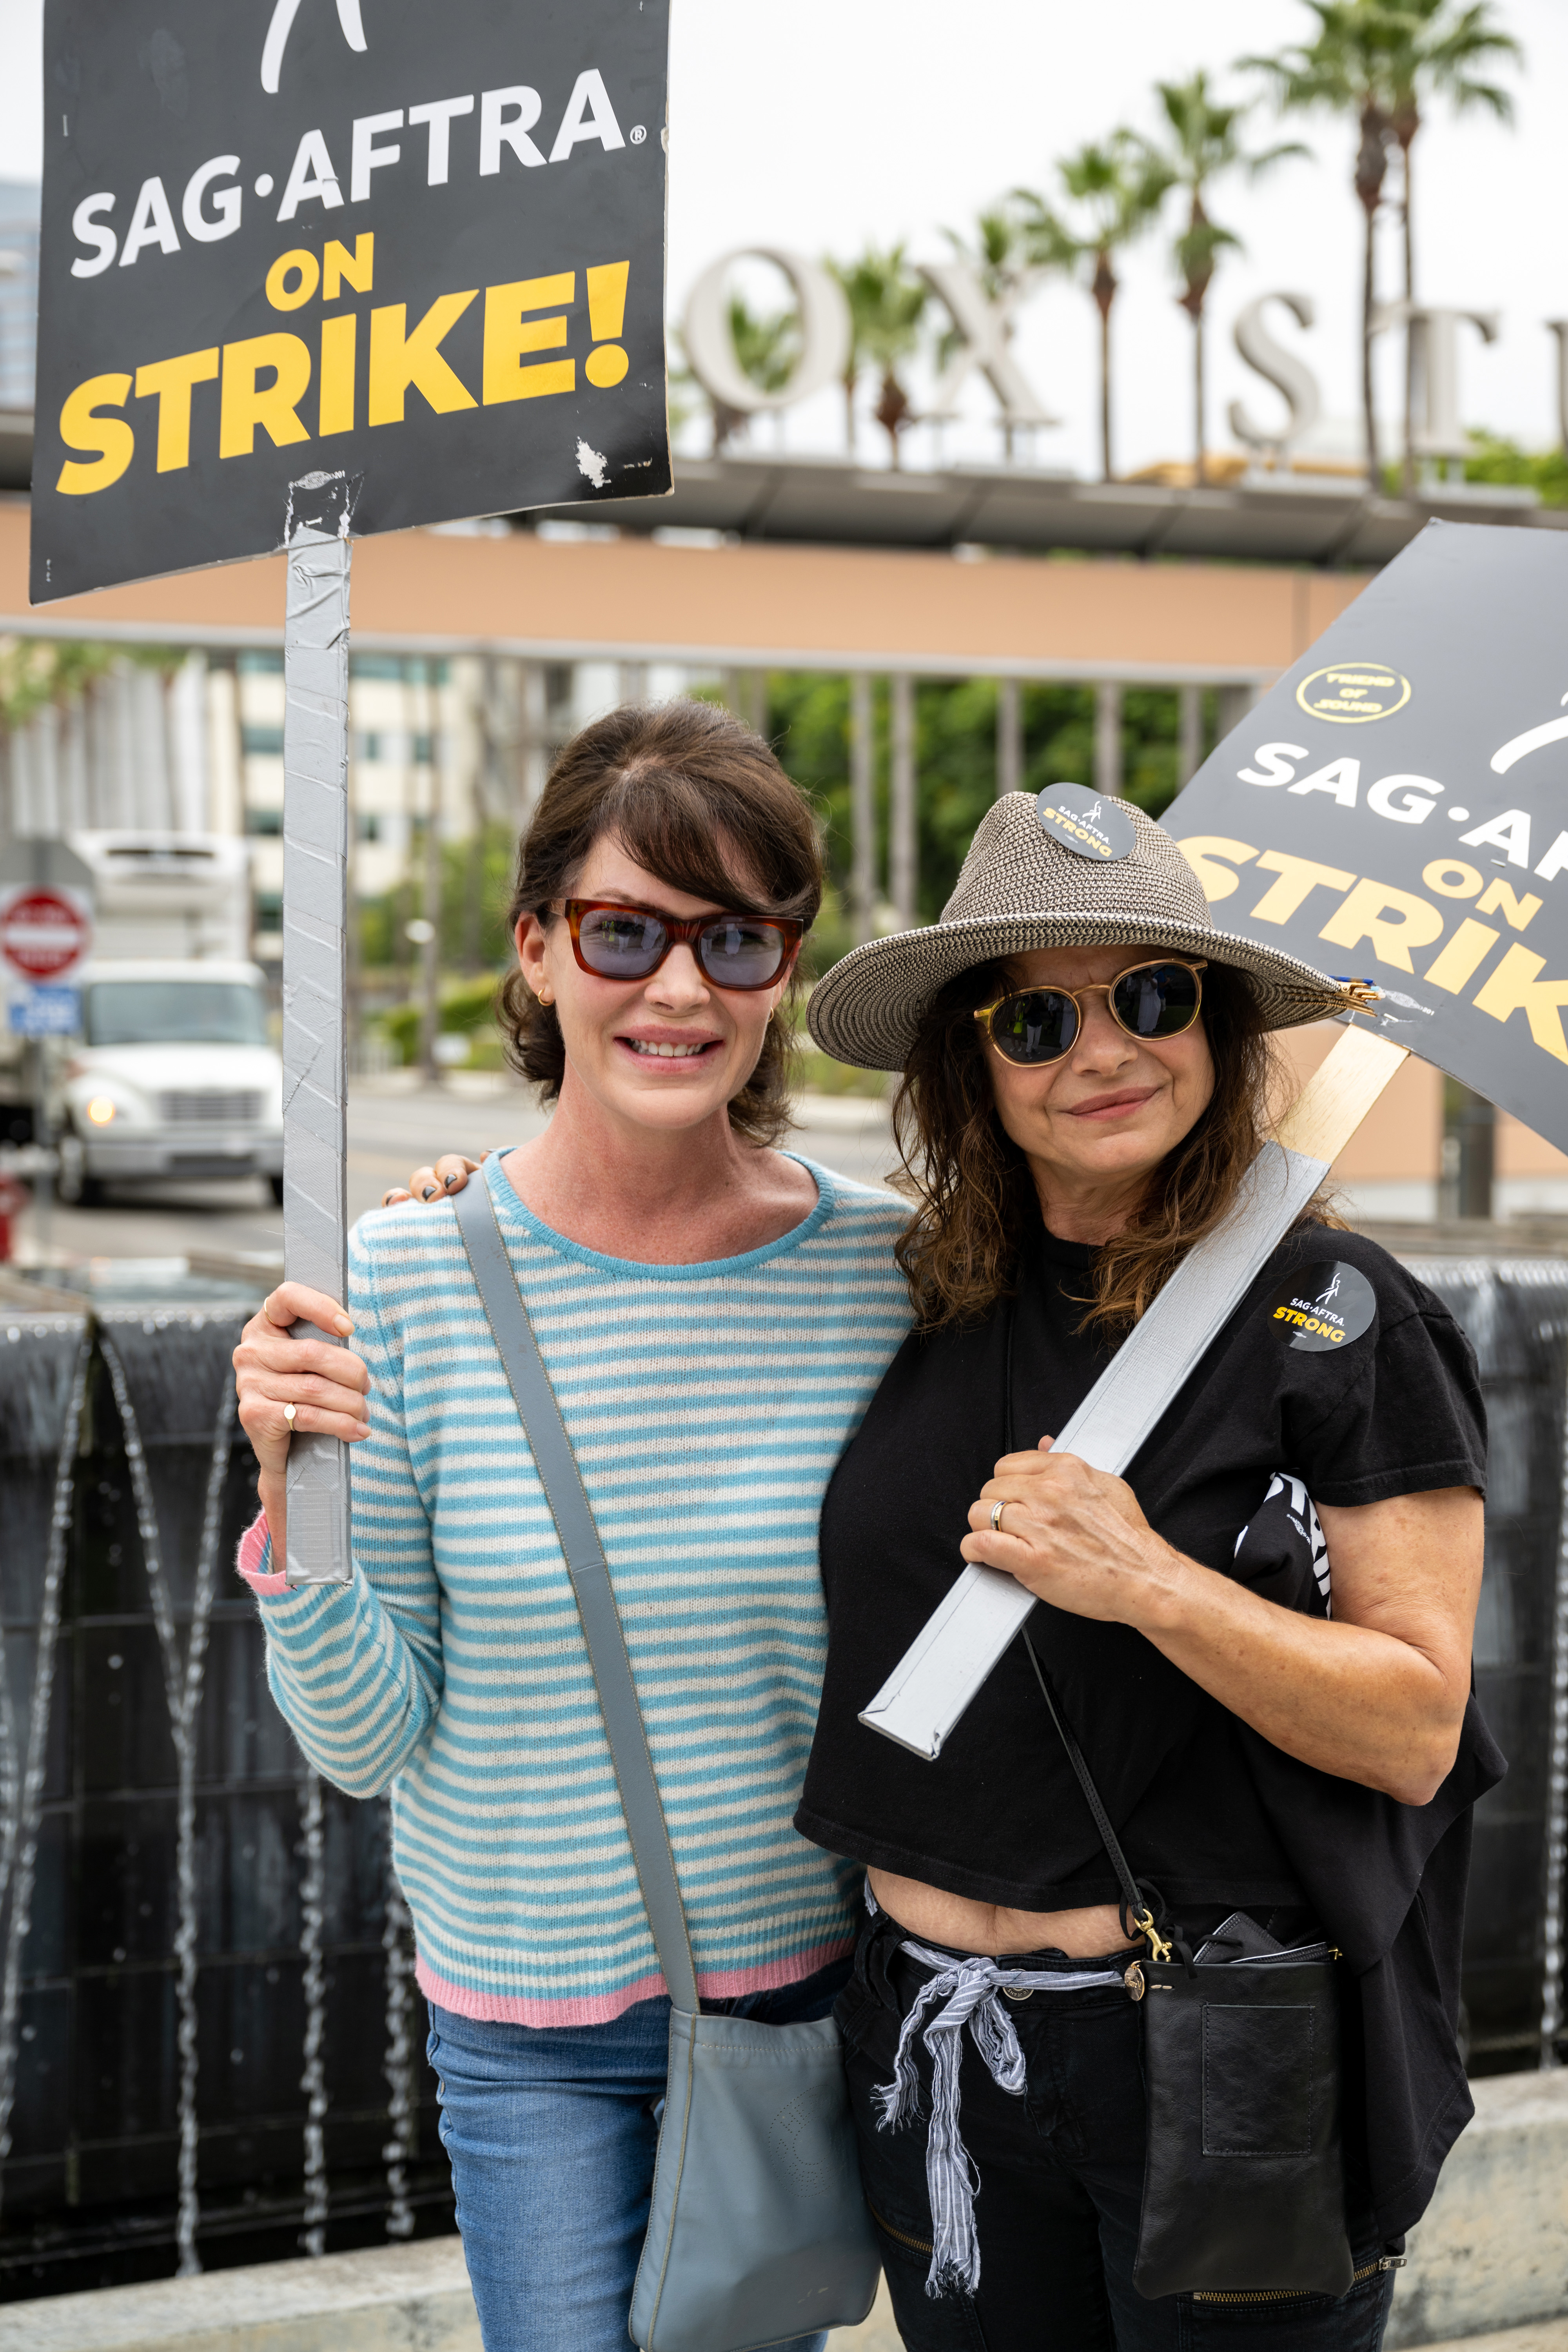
x,y
1060,2184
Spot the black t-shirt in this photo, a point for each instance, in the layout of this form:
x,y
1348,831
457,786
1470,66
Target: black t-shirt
x,y
1339,1379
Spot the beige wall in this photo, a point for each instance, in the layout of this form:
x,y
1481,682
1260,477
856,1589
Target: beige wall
x,y
1401,1139
716,600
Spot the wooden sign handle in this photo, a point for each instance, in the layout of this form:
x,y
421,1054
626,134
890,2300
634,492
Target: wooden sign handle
x,y
1338,1095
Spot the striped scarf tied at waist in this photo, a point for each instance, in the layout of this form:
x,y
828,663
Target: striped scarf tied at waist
x,y
969,1988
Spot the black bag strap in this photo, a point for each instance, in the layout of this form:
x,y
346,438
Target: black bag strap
x,y
557,1467
1137,1912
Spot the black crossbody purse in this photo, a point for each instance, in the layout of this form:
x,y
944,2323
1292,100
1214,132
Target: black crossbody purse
x,y
1244,2170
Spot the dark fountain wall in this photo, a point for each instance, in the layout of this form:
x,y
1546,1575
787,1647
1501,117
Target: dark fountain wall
x,y
211,2043
211,2049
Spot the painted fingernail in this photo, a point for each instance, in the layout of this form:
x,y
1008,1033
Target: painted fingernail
x,y
429,1192
451,1180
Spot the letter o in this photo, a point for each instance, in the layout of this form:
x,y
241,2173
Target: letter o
x,y
283,297
825,332
1437,877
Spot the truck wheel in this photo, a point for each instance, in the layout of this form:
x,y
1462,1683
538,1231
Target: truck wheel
x,y
77,1188
277,1184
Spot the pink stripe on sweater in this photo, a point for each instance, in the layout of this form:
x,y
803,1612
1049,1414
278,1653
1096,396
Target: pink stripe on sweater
x,y
255,1549
601,2009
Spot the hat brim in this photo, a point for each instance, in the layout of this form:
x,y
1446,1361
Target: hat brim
x,y
869,1009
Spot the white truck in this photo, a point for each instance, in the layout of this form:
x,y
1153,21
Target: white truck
x,y
173,1077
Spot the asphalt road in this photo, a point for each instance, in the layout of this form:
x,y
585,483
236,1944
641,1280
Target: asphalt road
x,y
392,1126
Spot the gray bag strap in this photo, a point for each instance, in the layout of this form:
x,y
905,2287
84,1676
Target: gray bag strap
x,y
556,1464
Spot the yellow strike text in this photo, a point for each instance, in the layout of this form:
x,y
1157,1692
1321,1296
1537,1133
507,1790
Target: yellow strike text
x,y
263,381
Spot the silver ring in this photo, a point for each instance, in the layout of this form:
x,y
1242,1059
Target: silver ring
x,y
996,1511
288,1413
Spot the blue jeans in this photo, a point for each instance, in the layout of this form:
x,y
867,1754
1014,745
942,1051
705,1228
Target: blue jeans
x,y
551,2131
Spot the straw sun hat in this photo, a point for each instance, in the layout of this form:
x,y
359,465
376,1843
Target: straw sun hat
x,y
1064,869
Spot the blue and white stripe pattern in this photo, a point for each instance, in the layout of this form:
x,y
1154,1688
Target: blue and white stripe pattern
x,y
707,1405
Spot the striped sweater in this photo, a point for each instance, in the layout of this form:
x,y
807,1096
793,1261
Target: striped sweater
x,y
707,1405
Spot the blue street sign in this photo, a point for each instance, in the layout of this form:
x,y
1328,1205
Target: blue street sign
x,y
46,1013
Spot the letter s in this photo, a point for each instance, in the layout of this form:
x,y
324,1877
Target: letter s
x,y
88,229
1274,759
1291,378
82,428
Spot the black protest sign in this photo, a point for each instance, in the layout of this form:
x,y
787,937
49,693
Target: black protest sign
x,y
420,245
1396,809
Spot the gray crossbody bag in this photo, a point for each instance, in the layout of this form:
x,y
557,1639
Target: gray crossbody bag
x,y
758,2230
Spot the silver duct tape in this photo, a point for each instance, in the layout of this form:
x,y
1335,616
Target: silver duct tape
x,y
955,1651
315,964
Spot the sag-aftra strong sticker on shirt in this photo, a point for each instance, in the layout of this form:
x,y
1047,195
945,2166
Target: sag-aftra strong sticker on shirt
x,y
1324,1305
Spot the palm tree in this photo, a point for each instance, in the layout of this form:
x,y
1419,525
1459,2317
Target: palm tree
x,y
1118,186
887,302
767,346
1437,59
1206,141
1349,68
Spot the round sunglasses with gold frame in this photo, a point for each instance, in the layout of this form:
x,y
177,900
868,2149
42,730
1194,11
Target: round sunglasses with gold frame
x,y
1034,1026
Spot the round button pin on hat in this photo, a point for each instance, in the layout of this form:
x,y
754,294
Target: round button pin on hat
x,y
1085,822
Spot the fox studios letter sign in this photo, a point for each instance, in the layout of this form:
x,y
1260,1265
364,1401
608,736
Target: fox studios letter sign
x,y
1396,808
422,246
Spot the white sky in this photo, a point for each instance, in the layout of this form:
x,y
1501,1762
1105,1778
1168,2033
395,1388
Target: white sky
x,y
825,123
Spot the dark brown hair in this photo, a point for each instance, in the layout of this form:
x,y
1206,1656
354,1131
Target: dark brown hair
x,y
690,793
977,1202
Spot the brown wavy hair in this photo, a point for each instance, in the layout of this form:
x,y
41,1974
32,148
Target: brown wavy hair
x,y
700,801
977,1202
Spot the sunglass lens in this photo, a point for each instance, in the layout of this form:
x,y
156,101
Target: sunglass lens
x,y
1158,1001
741,954
620,943
1036,1025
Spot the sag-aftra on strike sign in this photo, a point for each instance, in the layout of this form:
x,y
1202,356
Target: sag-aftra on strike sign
x,y
421,245
1396,809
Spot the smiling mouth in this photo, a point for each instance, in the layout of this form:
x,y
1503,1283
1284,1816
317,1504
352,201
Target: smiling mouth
x,y
655,1051
1107,1104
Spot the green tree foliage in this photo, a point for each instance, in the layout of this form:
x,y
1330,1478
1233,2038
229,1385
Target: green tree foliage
x,y
35,671
955,735
1494,458
468,1009
382,943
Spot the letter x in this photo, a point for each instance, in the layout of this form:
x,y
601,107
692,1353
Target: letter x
x,y
985,327
282,25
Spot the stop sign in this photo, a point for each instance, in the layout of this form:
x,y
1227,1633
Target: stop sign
x,y
43,932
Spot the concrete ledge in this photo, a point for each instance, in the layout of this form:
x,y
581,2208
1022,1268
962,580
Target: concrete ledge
x,y
386,2299
1492,2251
1488,2272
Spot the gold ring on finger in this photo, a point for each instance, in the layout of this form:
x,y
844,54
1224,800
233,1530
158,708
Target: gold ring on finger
x,y
996,1511
288,1413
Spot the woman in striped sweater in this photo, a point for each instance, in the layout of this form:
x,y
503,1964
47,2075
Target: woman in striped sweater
x,y
715,1316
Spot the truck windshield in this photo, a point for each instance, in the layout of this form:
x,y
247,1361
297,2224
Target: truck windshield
x,y
175,1012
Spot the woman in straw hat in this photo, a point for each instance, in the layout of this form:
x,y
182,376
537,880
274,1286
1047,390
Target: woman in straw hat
x,y
1261,1637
